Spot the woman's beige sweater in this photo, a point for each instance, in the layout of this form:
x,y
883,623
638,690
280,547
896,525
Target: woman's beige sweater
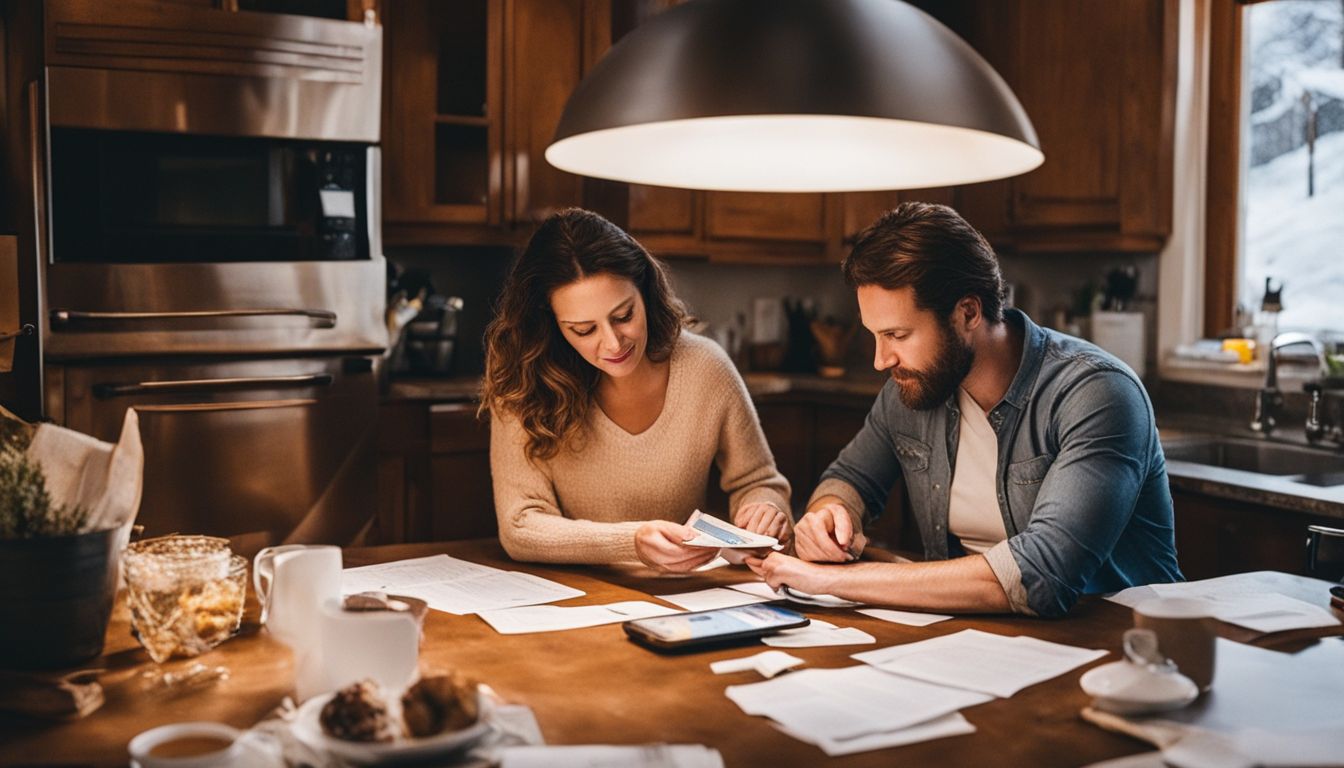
x,y
585,504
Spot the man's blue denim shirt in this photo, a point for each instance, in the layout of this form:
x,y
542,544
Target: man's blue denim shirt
x,y
1081,479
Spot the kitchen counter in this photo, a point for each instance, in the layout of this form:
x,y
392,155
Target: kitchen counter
x,y
763,385
1276,491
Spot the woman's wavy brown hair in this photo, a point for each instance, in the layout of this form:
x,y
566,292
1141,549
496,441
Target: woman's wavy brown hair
x,y
531,371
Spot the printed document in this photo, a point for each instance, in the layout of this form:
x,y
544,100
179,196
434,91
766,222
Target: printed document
x,y
1263,601
720,534
954,724
909,618
980,661
603,756
709,599
847,703
552,618
455,586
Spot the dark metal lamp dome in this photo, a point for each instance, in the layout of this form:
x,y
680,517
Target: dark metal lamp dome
x,y
794,96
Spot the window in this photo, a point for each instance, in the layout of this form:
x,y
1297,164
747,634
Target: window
x,y
1293,182
1276,161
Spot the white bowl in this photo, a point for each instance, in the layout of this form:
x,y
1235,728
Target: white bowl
x,y
1126,688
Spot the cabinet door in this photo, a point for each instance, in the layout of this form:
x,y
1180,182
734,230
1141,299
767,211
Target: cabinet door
x,y
1217,537
442,127
788,431
1098,80
551,43
463,502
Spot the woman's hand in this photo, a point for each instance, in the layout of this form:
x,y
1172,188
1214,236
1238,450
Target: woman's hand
x,y
766,519
779,569
659,545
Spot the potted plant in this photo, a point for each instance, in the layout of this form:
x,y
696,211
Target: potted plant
x,y
57,581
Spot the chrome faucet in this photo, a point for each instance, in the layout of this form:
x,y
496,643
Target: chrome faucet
x,y
1269,399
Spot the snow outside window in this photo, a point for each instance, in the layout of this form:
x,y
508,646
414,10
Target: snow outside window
x,y
1293,150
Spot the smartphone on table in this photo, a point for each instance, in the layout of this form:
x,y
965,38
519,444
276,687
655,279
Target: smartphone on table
x,y
721,626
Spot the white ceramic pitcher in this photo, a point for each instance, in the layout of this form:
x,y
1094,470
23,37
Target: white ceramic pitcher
x,y
299,587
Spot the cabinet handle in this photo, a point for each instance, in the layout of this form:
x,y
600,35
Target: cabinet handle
x,y
105,391
25,330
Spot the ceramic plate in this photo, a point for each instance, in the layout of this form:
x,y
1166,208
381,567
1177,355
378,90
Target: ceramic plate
x,y
308,729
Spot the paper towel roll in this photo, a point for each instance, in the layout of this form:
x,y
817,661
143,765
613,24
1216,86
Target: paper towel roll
x,y
1121,334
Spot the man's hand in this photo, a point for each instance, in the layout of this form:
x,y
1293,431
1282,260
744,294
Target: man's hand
x,y
659,545
779,569
826,535
766,519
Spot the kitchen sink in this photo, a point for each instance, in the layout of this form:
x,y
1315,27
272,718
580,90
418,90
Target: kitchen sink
x,y
1303,464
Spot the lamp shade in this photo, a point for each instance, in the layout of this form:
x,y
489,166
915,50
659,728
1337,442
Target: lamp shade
x,y
794,96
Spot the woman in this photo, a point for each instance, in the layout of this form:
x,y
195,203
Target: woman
x,y
605,415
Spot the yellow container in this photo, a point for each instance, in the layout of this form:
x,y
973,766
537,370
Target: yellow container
x,y
1245,349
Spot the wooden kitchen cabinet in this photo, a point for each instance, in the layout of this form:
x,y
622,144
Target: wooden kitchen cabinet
x,y
472,94
806,433
1098,81
434,480
1217,536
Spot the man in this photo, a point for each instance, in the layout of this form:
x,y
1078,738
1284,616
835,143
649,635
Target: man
x,y
1031,457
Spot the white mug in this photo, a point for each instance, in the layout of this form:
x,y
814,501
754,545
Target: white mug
x,y
143,745
292,582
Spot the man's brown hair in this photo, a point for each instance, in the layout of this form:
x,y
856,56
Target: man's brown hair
x,y
932,249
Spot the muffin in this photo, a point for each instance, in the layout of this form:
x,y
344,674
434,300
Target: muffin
x,y
358,712
440,703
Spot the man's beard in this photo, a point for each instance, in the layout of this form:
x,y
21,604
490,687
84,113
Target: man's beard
x,y
924,390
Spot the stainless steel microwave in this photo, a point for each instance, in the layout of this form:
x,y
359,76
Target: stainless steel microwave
x,y
212,182
120,197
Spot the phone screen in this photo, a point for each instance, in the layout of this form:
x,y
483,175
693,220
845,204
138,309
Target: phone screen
x,y
717,623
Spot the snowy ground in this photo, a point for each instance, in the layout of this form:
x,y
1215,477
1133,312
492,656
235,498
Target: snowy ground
x,y
1298,239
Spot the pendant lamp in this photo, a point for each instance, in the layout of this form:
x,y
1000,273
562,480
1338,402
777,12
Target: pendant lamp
x,y
794,96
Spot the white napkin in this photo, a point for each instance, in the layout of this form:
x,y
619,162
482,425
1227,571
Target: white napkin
x,y
768,663
81,470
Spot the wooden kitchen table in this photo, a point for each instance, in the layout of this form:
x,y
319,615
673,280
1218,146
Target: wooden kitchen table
x,y
593,686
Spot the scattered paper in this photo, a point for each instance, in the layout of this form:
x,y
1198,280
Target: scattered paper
x,y
1263,601
763,590
768,663
709,599
1258,747
553,618
909,618
954,724
842,704
595,756
980,661
818,633
1273,613
455,586
713,532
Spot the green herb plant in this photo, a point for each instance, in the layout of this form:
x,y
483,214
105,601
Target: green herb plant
x,y
26,509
